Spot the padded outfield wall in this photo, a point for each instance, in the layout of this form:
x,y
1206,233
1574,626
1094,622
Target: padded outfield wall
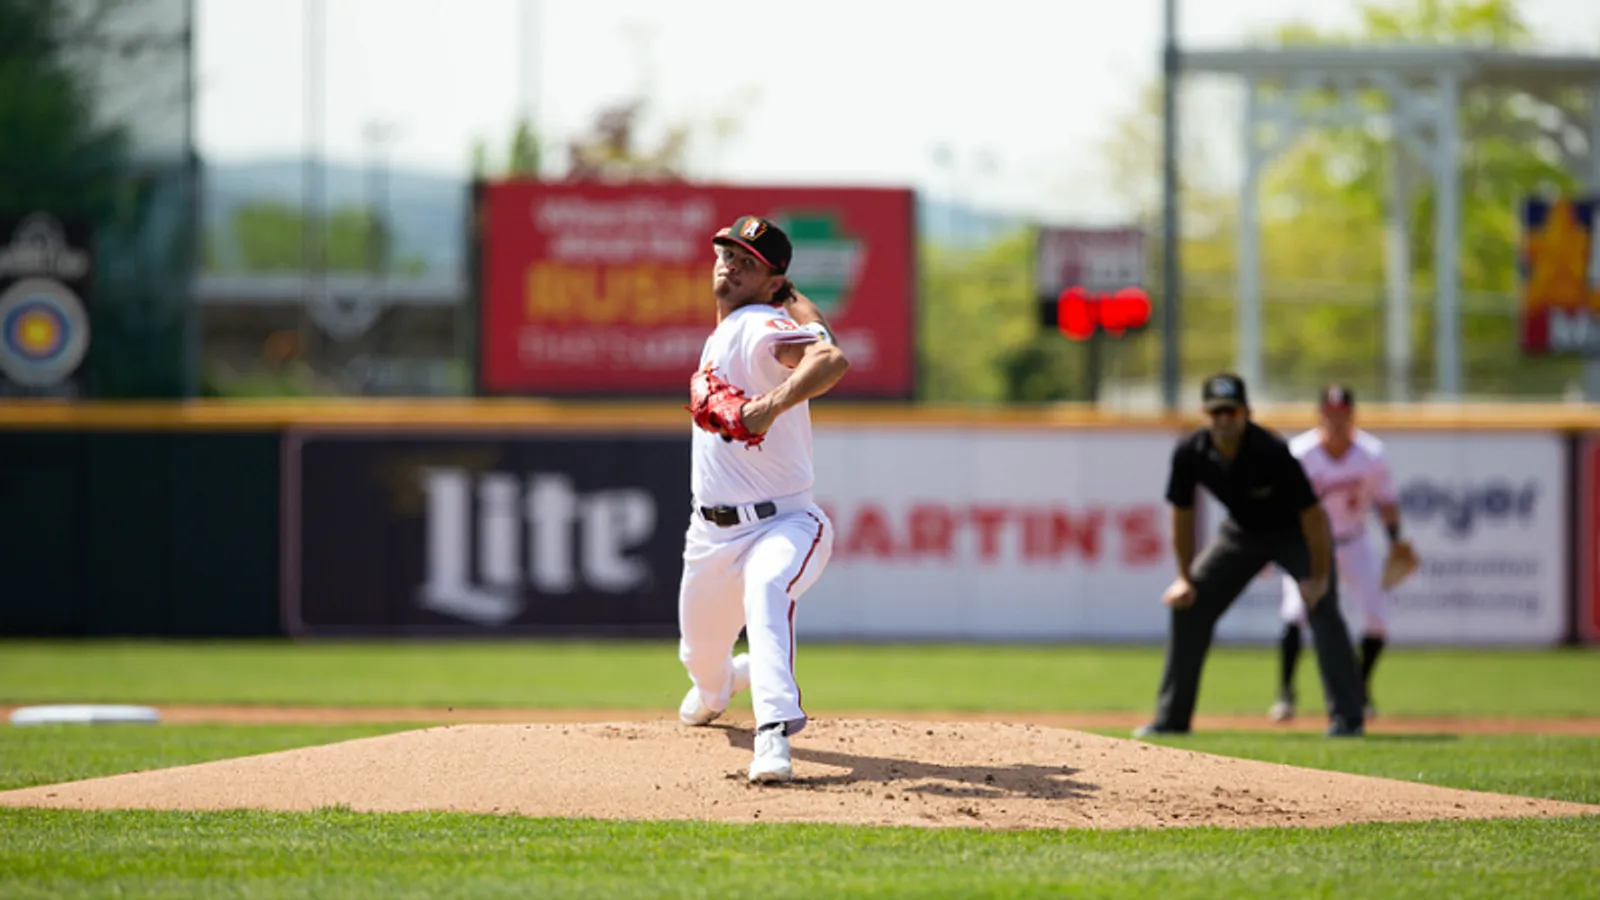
x,y
505,518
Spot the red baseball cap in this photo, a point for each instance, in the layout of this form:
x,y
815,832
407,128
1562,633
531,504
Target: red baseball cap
x,y
1337,396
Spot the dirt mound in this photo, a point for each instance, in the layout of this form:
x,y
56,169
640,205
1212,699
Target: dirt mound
x,y
855,771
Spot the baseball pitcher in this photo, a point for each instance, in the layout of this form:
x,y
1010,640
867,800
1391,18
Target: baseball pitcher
x,y
756,539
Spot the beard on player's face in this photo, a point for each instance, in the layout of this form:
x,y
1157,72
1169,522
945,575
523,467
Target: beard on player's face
x,y
740,289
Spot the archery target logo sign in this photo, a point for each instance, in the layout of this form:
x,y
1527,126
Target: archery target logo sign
x,y
44,332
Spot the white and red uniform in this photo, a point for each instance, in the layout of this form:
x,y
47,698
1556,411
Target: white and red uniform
x,y
750,573
1350,487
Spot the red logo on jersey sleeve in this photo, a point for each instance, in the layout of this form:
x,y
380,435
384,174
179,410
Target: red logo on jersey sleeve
x,y
782,325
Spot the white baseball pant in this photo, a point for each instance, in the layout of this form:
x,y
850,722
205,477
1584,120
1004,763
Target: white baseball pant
x,y
1360,585
750,575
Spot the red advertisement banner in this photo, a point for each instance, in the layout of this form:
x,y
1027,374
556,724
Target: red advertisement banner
x,y
596,290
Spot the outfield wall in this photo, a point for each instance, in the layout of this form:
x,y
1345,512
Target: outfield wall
x,y
1064,535
521,518
131,532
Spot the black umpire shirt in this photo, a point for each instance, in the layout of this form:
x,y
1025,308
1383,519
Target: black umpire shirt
x,y
1263,487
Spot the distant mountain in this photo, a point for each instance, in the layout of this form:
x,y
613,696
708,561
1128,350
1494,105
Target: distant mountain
x,y
428,209
949,224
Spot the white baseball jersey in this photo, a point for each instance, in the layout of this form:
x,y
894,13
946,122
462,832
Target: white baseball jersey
x,y
743,350
749,575
1349,488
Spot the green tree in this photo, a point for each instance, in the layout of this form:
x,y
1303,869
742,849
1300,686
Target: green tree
x,y
524,155
53,155
480,166
1322,214
986,345
66,149
269,237
976,310
1337,180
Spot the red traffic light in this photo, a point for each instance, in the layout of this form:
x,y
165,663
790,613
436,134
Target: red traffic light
x,y
1079,314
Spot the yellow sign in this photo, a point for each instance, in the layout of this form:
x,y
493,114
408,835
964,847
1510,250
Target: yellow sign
x,y
641,294
1558,268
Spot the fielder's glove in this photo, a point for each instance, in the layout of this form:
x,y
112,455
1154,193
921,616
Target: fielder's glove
x,y
717,406
1399,564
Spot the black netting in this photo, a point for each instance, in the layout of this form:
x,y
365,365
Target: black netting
x,y
96,109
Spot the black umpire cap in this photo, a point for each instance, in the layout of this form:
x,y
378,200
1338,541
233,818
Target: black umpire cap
x,y
1222,390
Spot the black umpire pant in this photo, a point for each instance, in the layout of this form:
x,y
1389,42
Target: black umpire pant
x,y
1220,575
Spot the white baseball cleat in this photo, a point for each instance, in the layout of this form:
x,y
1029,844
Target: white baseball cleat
x,y
771,762
693,710
1282,711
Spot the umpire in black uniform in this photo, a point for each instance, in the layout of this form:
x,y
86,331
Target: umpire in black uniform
x,y
1273,516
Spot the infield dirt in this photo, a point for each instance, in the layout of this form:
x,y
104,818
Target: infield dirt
x,y
848,770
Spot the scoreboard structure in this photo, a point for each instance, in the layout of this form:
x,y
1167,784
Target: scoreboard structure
x,y
1090,281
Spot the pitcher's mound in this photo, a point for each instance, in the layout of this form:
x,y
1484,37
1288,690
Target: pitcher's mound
x,y
847,771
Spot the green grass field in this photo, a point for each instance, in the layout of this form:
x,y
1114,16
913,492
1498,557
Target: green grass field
x,y
638,675
337,853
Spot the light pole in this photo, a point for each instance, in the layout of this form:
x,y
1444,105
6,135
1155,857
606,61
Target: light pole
x,y
529,20
985,166
313,250
944,160
378,135
1171,68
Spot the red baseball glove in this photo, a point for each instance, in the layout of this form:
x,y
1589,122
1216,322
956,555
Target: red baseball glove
x,y
717,406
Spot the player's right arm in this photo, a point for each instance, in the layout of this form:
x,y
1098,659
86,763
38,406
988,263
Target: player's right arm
x,y
1183,539
818,366
804,312
1180,495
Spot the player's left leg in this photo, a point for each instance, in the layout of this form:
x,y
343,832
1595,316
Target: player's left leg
x,y
1292,611
782,564
1221,572
1362,571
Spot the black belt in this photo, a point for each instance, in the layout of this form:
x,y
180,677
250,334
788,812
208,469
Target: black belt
x,y
728,516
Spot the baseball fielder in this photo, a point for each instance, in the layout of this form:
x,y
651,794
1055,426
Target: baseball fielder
x,y
1348,470
756,539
